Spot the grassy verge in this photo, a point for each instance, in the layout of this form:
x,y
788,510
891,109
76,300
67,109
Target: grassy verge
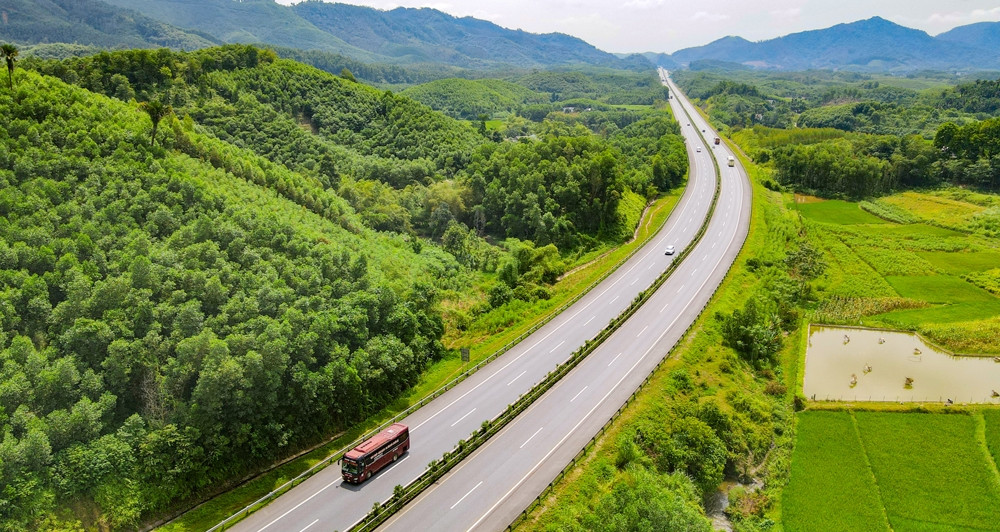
x,y
226,504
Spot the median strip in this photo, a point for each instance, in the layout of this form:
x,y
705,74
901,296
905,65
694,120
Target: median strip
x,y
438,468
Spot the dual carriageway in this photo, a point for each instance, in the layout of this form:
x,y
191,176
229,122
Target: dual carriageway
x,y
492,486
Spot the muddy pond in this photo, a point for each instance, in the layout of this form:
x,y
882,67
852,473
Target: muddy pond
x,y
871,365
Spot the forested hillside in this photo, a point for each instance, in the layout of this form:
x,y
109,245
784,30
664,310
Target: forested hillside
x,y
246,21
91,22
430,36
468,99
181,310
167,323
862,138
843,100
400,36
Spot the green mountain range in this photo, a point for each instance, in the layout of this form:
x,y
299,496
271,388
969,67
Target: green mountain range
x,y
90,22
985,35
402,36
874,44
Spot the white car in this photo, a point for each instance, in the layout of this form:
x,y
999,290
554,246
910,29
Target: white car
x,y
698,149
669,250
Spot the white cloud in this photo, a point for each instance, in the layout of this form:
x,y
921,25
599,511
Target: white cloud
x,y
588,24
964,17
643,4
793,12
710,17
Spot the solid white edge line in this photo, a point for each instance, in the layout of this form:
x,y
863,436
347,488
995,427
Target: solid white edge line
x,y
467,494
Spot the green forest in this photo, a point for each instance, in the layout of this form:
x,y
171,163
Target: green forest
x,y
839,134
212,259
849,101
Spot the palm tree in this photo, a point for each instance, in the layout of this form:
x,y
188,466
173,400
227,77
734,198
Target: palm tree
x,y
156,111
9,52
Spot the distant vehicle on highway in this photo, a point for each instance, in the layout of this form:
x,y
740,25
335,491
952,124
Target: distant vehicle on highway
x,y
717,140
731,161
669,250
703,131
371,455
698,149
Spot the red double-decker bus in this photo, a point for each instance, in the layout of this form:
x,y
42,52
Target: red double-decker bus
x,y
373,454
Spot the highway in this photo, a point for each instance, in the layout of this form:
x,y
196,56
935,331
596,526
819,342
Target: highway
x,y
491,487
324,503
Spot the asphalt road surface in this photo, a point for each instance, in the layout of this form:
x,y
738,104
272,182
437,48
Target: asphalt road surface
x,y
490,488
501,478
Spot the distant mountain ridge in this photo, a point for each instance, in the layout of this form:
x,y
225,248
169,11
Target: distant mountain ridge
x,y
874,44
425,36
429,35
402,35
90,22
981,35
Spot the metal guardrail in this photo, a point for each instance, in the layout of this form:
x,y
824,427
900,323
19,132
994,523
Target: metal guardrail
x,y
250,508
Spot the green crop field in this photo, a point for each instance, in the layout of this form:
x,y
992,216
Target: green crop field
x,y
959,263
922,472
830,483
837,212
992,422
928,278
931,471
939,210
939,289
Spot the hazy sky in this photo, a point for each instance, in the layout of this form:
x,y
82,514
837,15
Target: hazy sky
x,y
669,25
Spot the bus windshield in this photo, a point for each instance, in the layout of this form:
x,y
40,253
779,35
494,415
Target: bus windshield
x,y
350,466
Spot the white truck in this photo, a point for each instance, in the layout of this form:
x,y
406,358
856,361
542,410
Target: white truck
x,y
731,161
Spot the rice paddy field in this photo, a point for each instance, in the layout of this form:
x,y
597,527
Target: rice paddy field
x,y
929,262
860,471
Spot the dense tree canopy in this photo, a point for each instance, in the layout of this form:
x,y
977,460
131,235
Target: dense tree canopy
x,y
177,315
165,325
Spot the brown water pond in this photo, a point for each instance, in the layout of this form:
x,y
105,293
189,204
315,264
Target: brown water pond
x,y
871,365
